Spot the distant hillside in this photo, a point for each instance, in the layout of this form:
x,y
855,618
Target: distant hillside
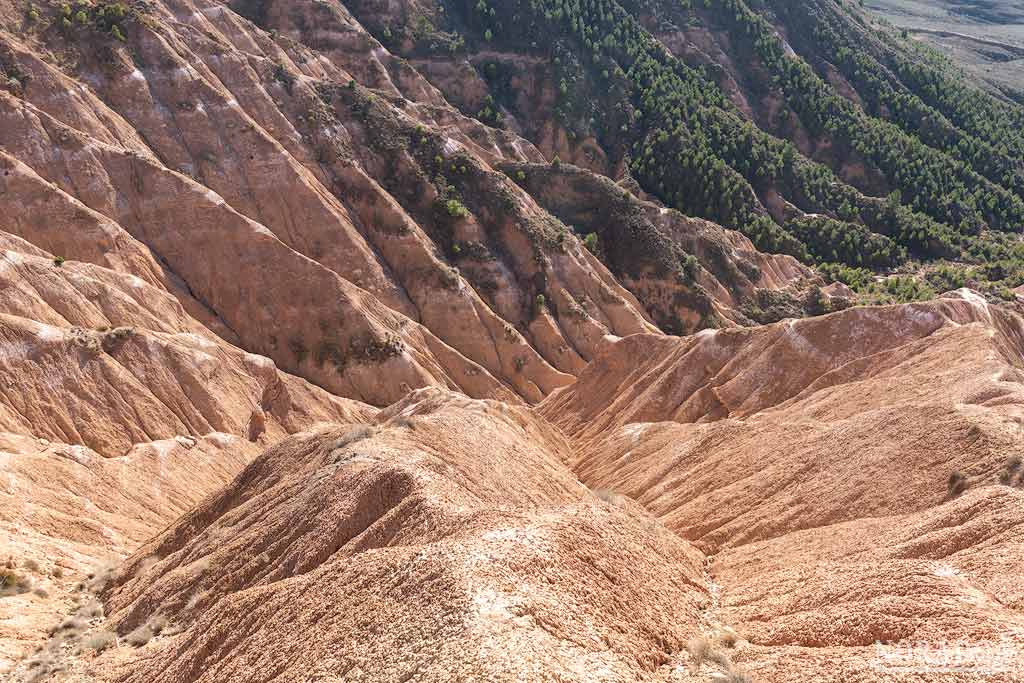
x,y
986,37
813,128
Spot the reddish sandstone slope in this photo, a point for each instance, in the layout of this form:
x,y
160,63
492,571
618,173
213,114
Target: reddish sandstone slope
x,y
312,198
231,232
806,480
216,222
446,541
118,413
815,461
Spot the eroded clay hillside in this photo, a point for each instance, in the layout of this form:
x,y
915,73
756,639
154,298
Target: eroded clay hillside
x,y
742,505
310,197
320,361
218,232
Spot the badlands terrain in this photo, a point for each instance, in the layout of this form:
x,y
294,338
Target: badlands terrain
x,y
569,340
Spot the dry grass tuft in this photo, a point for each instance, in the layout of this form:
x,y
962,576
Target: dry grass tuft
x,y
699,649
99,579
140,636
90,610
727,638
13,583
356,434
155,625
100,641
71,626
42,667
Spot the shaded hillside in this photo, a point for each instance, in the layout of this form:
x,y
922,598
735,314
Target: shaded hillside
x,y
312,198
805,125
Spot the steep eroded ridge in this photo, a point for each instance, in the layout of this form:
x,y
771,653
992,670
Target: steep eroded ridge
x,y
267,182
417,546
319,360
855,479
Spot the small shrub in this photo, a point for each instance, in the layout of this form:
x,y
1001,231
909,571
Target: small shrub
x,y
69,630
140,636
284,77
31,565
450,277
359,433
727,638
114,339
100,641
91,610
699,649
41,666
690,268
97,580
298,348
372,349
58,261
57,573
13,583
539,304
42,593
956,484
456,209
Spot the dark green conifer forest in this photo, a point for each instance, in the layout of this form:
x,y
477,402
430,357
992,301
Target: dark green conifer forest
x,y
861,151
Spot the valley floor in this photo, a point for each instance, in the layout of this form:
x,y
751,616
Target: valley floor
x,y
986,38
